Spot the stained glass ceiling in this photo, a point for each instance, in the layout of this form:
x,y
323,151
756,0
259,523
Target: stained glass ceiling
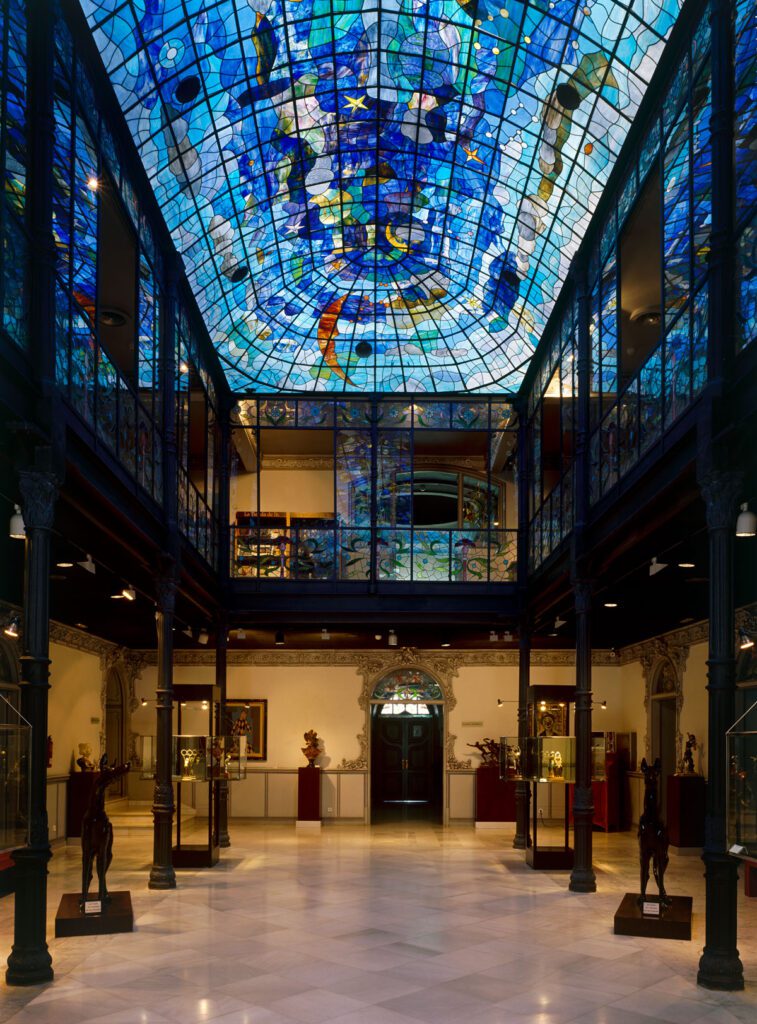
x,y
382,195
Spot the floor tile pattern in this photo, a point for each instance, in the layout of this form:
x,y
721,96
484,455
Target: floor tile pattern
x,y
396,924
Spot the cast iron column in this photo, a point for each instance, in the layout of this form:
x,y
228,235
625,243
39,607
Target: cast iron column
x,y
522,838
720,966
30,962
222,647
162,874
582,877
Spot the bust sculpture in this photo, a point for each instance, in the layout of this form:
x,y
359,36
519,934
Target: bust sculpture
x,y
84,760
312,750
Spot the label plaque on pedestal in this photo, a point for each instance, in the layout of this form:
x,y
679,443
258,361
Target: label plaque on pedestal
x,y
115,916
672,922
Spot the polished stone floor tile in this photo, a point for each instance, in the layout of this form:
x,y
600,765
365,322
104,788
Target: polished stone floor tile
x,y
390,925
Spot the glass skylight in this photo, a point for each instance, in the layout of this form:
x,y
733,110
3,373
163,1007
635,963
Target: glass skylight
x,y
382,195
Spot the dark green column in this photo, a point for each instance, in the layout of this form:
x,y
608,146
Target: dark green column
x,y
522,838
582,877
222,792
162,874
720,966
30,962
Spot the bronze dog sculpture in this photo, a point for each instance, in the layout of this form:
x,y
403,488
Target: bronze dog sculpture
x,y
97,831
653,835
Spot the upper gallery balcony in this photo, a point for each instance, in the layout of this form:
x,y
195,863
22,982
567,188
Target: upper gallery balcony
x,y
375,490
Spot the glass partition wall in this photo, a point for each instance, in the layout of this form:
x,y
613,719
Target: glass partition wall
x,y
373,489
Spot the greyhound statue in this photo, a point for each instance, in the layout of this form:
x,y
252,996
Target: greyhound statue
x,y
653,835
97,831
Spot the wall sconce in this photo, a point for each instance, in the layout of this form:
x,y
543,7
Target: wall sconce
x,y
746,524
17,527
11,629
601,704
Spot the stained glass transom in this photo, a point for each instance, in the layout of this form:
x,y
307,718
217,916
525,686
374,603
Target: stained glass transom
x,y
407,684
378,195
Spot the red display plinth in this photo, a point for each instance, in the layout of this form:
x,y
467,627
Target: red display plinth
x,y
495,798
309,794
685,810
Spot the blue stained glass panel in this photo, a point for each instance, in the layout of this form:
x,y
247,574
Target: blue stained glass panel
x,y
381,195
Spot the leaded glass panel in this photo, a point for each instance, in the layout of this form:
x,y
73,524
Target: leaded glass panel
x,y
407,684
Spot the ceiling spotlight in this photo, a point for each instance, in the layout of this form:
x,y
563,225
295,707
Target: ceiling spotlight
x,y
11,629
392,638
241,634
656,566
64,565
187,631
559,622
377,636
129,593
746,524
687,565
202,636
279,638
325,635
81,625
446,643
611,604
745,640
16,527
88,565
493,636
118,596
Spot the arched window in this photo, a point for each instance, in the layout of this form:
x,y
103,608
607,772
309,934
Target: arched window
x,y
405,691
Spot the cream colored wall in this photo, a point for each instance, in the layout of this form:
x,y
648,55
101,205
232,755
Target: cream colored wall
x,y
74,701
284,490
694,714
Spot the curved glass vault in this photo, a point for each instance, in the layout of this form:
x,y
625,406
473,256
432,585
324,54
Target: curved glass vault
x,y
382,195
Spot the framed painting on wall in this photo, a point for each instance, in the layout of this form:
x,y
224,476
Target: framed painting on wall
x,y
549,719
249,718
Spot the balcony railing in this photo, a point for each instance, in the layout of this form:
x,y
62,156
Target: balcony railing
x,y
196,521
384,554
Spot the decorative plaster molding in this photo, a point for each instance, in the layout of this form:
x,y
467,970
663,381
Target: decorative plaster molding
x,y
79,640
554,659
127,665
663,663
269,462
696,633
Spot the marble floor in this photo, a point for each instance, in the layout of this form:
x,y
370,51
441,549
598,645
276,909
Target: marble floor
x,y
397,923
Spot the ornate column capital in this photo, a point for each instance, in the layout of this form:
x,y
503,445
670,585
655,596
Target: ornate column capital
x,y
721,490
39,493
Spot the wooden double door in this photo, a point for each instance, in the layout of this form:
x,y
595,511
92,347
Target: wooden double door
x,y
406,766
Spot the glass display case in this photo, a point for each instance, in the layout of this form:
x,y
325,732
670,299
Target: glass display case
x,y
510,759
551,759
742,786
15,742
227,758
613,755
190,758
196,839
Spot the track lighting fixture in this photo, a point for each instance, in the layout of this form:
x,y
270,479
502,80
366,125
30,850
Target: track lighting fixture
x,y
17,527
501,703
325,635
202,636
241,634
143,701
279,639
656,566
559,623
392,638
129,593
746,524
88,564
601,704
507,636
11,629
493,636
745,640
187,631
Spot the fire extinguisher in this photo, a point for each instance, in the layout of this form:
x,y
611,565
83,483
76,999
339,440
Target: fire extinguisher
x,y
49,751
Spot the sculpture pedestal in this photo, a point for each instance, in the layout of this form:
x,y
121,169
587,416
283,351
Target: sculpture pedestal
x,y
309,795
495,798
673,923
117,916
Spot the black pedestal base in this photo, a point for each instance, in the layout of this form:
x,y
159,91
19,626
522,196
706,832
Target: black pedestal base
x,y
673,923
198,855
549,858
117,916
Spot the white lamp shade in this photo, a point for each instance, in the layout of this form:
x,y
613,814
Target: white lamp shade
x,y
746,524
17,528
